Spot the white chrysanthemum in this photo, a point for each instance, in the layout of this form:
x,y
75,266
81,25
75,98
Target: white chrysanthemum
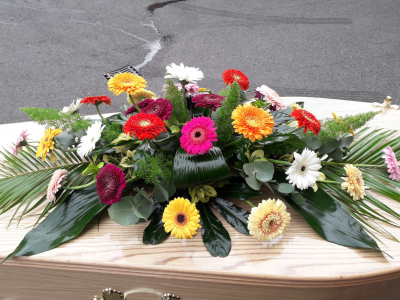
x,y
73,108
304,170
88,142
182,73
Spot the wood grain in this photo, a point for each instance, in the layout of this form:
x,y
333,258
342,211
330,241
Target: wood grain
x,y
297,265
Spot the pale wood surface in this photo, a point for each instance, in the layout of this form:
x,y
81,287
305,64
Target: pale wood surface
x,y
297,260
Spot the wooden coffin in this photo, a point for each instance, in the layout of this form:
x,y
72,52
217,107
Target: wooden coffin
x,y
296,265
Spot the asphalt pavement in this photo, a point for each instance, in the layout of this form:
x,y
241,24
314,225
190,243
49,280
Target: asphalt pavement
x,y
52,52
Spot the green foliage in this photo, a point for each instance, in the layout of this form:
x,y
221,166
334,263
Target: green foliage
x,y
331,128
111,131
53,118
155,168
279,149
175,96
224,120
225,92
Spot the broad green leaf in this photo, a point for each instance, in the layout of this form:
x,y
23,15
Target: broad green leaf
x,y
234,215
331,221
285,188
162,193
215,237
142,205
346,141
262,170
253,182
122,212
155,233
63,224
336,155
313,143
327,147
237,190
192,170
298,198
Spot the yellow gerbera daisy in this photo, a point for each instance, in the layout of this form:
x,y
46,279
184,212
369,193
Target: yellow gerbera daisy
x,y
252,122
354,183
295,106
126,82
181,218
140,95
47,144
269,220
202,89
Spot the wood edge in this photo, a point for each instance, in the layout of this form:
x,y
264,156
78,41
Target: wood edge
x,y
212,276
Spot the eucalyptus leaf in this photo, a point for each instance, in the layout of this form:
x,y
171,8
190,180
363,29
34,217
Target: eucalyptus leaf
x,y
169,186
285,188
122,212
253,182
262,170
328,146
65,139
215,237
313,143
62,224
336,155
142,205
346,141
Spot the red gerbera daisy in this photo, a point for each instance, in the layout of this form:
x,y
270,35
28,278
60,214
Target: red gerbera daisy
x,y
306,119
110,183
96,100
231,75
144,126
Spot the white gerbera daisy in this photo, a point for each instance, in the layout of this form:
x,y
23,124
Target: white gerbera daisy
x,y
73,108
304,170
182,73
88,142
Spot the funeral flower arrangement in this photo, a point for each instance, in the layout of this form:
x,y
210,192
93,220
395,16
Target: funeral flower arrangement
x,y
167,159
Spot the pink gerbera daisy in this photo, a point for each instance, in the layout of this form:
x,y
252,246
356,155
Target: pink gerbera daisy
x,y
21,141
110,183
160,107
208,100
197,135
270,96
391,162
142,104
57,180
192,89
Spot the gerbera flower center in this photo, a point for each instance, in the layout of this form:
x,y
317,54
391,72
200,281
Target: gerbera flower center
x,y
181,218
237,77
303,169
198,135
144,123
271,223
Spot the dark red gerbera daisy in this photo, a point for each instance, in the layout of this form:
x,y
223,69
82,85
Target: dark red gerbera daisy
x,y
306,119
231,75
144,126
142,104
160,107
96,100
208,100
110,183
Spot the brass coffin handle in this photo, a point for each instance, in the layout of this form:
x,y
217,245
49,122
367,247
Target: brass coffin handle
x,y
111,294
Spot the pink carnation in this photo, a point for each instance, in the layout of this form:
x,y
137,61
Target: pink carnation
x,y
192,89
21,141
178,85
57,180
270,96
142,104
160,107
208,100
197,135
391,162
110,183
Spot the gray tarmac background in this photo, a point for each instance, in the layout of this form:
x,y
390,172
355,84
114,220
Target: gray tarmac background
x,y
53,52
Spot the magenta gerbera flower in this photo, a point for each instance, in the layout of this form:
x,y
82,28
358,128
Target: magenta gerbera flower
x,y
21,141
197,135
110,183
160,107
142,104
208,100
391,162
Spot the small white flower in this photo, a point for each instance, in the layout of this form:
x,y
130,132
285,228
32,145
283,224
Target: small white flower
x,y
189,74
88,142
304,170
73,108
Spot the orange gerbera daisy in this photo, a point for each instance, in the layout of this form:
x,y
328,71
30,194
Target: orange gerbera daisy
x,y
253,122
126,82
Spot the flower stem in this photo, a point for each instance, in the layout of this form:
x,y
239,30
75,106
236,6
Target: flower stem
x,y
132,179
329,181
66,150
279,162
356,165
183,84
251,204
134,103
78,187
98,111
233,143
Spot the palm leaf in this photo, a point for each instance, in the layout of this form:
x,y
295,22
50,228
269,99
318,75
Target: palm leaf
x,y
24,180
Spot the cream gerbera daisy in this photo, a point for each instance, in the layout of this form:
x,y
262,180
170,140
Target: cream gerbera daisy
x,y
304,170
141,95
269,220
354,183
181,218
